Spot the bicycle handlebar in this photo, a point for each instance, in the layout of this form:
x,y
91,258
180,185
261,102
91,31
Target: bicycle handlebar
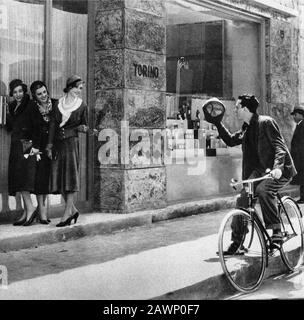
x,y
235,183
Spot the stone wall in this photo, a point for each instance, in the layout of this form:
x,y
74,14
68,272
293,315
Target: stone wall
x,y
301,53
130,83
282,72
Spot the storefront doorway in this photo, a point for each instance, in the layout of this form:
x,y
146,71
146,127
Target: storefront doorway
x,y
46,40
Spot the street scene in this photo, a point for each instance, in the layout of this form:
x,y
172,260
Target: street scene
x,y
151,150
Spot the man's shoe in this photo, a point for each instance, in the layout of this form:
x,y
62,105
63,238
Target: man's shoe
x,y
235,249
277,237
300,201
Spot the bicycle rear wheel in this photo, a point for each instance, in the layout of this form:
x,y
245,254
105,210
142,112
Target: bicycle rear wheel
x,y
292,247
244,271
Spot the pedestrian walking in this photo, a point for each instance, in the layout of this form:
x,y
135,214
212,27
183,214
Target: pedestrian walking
x,y
69,117
297,149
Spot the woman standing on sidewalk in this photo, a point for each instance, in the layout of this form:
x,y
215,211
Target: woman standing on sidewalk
x,y
25,137
41,107
68,118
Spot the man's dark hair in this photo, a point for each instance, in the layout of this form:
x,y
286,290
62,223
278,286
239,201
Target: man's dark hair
x,y
250,102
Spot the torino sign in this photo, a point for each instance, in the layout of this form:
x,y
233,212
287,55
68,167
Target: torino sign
x,y
146,71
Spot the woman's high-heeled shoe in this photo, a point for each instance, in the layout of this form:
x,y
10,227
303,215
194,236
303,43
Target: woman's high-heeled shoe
x,y
19,222
33,217
42,221
68,221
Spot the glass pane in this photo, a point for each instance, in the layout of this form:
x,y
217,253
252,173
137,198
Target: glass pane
x,y
21,41
69,42
69,56
209,54
21,56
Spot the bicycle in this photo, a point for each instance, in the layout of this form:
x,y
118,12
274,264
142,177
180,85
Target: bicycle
x,y
245,268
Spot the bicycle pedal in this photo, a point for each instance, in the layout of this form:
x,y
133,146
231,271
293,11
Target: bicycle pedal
x,y
275,246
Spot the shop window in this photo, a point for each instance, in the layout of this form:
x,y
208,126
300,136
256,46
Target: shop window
x,y
21,41
21,56
209,53
69,56
45,40
69,42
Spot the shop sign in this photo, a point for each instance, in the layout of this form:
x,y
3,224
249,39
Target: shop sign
x,y
3,17
146,71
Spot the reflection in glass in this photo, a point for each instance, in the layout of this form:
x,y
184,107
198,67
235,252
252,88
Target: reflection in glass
x,y
69,43
69,56
21,56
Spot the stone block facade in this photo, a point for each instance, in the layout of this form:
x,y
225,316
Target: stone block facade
x,y
130,84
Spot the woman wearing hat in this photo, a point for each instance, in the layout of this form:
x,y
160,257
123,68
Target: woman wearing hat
x,y
69,117
24,149
40,109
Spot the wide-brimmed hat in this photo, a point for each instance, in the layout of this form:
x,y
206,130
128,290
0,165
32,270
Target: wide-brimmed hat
x,y
71,81
298,109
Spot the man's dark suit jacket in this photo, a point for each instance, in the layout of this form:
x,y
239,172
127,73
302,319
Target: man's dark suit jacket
x,y
297,153
271,149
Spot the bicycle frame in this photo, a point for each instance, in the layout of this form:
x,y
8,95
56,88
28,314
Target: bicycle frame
x,y
248,226
254,217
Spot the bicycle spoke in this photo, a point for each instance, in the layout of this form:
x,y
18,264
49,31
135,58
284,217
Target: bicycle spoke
x,y
244,271
292,246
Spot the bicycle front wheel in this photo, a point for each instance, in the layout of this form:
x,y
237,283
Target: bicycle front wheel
x,y
292,246
244,268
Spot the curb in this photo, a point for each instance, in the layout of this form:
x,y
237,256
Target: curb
x,y
107,224
193,208
44,237
218,287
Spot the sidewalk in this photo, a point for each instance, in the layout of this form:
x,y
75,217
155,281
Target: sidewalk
x,y
170,272
16,238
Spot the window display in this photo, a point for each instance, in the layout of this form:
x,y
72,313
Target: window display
x,y
207,54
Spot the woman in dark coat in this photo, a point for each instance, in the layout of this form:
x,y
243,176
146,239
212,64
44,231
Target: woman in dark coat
x,y
24,149
41,107
69,117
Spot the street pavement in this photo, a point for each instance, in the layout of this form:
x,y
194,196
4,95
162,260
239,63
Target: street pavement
x,y
171,259
138,263
284,286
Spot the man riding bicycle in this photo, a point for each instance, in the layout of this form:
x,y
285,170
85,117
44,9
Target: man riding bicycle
x,y
263,147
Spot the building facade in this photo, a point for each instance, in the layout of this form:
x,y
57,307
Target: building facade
x,y
149,66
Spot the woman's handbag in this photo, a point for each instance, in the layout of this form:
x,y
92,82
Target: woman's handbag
x,y
26,145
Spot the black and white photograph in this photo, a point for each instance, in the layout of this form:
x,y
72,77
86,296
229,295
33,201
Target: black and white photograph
x,y
151,153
